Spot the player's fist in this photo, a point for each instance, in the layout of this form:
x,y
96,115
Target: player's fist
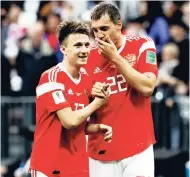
x,y
101,93
107,131
100,90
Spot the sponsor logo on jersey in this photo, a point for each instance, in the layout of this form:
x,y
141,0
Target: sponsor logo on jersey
x,y
58,97
97,70
151,57
131,59
70,92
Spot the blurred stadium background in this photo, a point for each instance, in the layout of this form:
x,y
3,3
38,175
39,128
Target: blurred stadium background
x,y
29,46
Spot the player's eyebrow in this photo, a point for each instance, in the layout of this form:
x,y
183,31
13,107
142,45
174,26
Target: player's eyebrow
x,y
101,28
104,28
78,44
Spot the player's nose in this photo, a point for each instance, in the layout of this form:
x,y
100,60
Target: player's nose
x,y
100,36
85,50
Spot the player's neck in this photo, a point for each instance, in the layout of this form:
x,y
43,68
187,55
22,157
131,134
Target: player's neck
x,y
72,70
119,42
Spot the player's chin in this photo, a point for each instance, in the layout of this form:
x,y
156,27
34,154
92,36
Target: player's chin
x,y
82,62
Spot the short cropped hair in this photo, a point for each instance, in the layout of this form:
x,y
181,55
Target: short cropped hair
x,y
66,28
106,8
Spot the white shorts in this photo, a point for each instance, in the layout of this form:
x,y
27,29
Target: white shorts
x,y
139,165
35,173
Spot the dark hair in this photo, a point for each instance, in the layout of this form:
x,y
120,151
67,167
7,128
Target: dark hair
x,y
66,28
105,8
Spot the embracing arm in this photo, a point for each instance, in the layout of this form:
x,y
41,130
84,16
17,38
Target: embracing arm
x,y
144,83
92,128
100,128
71,119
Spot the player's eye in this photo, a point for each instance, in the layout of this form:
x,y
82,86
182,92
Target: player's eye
x,y
87,44
79,44
104,28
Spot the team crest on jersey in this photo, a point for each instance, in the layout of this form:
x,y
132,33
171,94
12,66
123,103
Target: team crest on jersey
x,y
131,59
83,71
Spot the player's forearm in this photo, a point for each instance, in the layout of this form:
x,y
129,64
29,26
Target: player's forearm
x,y
81,115
92,128
71,119
140,82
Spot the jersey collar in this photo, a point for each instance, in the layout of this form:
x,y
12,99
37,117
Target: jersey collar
x,y
69,75
123,45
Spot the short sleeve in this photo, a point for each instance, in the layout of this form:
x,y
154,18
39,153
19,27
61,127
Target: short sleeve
x,y
147,60
53,96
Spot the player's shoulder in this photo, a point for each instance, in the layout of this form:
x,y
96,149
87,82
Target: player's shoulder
x,y
138,39
140,42
94,48
49,81
93,45
50,75
93,57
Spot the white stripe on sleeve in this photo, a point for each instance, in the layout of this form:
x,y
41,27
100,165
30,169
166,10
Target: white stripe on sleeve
x,y
145,46
49,86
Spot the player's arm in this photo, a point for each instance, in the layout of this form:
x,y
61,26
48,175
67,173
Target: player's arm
x,y
98,90
71,119
142,82
99,128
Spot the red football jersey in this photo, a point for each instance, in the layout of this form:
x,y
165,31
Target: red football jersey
x,y
56,150
128,112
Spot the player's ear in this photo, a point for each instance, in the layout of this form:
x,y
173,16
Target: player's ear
x,y
62,48
119,24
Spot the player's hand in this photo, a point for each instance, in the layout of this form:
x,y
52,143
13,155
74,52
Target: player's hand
x,y
100,90
101,93
107,48
107,131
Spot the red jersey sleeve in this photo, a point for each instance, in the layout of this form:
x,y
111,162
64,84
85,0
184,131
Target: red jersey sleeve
x,y
147,60
52,95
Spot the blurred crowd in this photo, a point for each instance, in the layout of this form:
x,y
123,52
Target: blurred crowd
x,y
29,45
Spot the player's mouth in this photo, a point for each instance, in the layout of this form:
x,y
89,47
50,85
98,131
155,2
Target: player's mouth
x,y
83,57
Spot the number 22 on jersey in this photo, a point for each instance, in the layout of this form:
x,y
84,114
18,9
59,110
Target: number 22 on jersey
x,y
118,81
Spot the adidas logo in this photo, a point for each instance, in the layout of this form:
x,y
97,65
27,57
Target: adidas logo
x,y
97,70
70,92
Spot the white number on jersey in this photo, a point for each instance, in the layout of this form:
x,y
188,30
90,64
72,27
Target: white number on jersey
x,y
117,80
79,106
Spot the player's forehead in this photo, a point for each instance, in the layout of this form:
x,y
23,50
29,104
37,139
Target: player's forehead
x,y
103,21
78,38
